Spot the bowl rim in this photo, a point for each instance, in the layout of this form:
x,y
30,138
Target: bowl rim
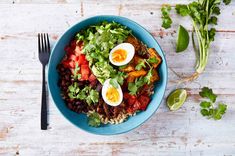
x,y
163,58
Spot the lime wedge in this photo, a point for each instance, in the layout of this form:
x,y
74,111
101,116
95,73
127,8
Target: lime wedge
x,y
176,99
182,40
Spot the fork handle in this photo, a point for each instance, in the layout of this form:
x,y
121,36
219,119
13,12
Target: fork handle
x,y
43,102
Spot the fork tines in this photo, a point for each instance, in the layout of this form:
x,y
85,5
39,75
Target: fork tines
x,y
43,43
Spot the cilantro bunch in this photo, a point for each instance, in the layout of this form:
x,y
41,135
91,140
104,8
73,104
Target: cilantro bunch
x,y
208,108
204,16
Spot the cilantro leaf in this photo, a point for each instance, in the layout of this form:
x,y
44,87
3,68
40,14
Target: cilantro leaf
x,y
205,112
226,2
93,96
208,93
148,77
166,20
212,34
216,11
219,111
133,87
152,60
140,65
73,90
182,9
94,120
205,104
76,75
213,20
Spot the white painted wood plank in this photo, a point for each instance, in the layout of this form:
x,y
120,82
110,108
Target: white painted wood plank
x,y
184,132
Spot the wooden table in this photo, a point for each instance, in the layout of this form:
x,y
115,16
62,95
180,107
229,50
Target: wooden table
x,y
184,132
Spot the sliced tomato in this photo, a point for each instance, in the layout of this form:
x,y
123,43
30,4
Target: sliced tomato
x,y
131,99
72,64
74,58
144,101
82,59
85,71
92,78
78,50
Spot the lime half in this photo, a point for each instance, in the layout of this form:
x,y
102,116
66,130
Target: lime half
x,y
176,99
182,40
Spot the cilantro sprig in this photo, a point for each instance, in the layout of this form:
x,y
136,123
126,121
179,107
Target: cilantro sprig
x,y
204,14
166,20
76,75
141,63
94,120
87,93
208,108
208,93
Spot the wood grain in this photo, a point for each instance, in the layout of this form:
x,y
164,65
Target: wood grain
x,y
184,132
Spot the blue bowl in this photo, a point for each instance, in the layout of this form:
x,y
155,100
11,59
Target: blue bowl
x,y
80,120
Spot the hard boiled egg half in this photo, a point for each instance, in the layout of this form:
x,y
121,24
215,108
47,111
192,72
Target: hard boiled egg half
x,y
111,95
122,54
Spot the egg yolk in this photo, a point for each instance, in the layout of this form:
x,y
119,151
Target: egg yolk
x,y
112,94
119,55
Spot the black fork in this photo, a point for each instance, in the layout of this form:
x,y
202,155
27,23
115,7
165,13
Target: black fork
x,y
44,55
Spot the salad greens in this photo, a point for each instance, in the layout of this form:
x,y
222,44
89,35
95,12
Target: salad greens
x,y
208,108
88,94
204,15
94,120
166,20
98,41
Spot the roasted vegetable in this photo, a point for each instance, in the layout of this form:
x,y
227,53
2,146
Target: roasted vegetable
x,y
135,42
128,68
137,73
155,76
130,79
153,54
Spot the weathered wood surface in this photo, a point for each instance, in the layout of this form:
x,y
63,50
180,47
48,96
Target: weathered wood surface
x,y
184,132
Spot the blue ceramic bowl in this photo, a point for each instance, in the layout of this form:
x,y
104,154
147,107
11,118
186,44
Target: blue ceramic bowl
x,y
80,120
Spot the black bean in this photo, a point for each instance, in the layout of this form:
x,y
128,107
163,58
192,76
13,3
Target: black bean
x,y
98,87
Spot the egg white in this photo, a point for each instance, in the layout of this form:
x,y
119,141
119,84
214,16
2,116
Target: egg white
x,y
129,48
105,88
